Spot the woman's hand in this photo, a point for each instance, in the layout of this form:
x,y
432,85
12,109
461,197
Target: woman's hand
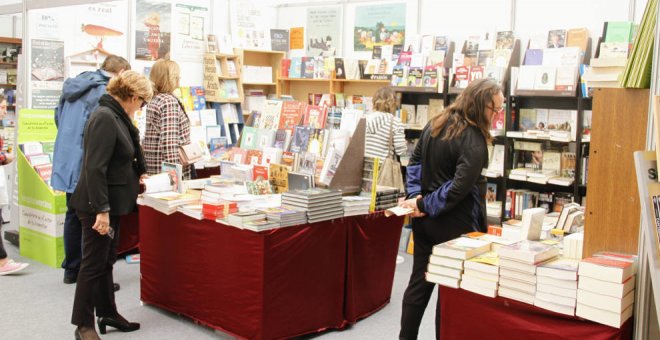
x,y
143,177
412,204
102,225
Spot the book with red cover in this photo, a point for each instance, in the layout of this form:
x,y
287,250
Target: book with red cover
x,y
462,76
404,58
288,159
292,112
315,116
476,72
285,65
260,172
239,156
45,171
606,269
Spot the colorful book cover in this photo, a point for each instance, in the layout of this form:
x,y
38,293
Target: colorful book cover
x,y
340,72
462,76
292,112
315,144
315,116
278,177
270,117
415,75
533,57
288,160
238,156
280,139
295,71
300,138
476,72
260,172
199,99
218,147
430,77
175,171
398,76
45,171
404,58
249,138
307,68
504,40
254,157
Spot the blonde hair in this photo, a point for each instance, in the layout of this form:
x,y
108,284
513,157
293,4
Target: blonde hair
x,y
165,76
385,100
129,84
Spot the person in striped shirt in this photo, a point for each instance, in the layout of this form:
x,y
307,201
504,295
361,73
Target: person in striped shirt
x,y
378,126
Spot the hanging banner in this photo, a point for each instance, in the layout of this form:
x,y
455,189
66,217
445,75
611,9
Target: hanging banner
x,y
249,25
47,75
323,31
377,25
192,26
279,40
153,21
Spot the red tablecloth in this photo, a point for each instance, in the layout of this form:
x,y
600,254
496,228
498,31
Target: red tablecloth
x,y
269,285
373,243
465,315
129,233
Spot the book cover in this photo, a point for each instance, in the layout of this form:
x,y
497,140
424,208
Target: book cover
x,y
430,78
340,71
289,160
307,70
280,139
271,155
404,58
485,58
249,138
270,117
527,120
461,76
291,115
175,171
300,138
441,43
504,40
545,78
436,59
231,89
45,171
533,57
260,172
295,71
618,31
476,72
265,138
315,144
279,177
254,157
315,116
556,39
577,37
218,147
307,163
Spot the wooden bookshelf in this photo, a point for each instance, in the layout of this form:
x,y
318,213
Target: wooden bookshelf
x,y
272,59
216,71
299,88
613,207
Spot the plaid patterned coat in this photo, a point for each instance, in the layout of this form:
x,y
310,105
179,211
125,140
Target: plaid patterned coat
x,y
168,127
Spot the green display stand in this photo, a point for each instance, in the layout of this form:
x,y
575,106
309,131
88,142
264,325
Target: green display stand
x,y
41,210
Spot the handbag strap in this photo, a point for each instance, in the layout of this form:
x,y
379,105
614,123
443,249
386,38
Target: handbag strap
x,y
390,140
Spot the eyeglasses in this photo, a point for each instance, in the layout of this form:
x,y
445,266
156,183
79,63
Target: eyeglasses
x,y
144,103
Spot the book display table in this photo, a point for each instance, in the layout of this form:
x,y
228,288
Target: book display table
x,y
129,233
273,284
466,315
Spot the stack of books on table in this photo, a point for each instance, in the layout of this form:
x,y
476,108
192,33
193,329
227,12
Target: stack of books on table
x,y
556,285
518,264
355,205
260,225
387,197
481,274
191,210
240,218
285,217
218,210
167,202
606,288
320,204
446,262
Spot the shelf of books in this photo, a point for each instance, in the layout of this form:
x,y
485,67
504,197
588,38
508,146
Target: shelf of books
x,y
41,210
222,78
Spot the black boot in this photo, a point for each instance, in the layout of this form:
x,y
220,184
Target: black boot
x,y
118,322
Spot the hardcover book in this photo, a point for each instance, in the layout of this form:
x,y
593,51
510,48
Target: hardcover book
x,y
315,116
300,138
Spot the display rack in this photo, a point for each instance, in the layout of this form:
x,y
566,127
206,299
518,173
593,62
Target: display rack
x,y
299,88
216,72
272,59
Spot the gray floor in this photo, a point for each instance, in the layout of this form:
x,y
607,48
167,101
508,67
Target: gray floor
x,y
37,305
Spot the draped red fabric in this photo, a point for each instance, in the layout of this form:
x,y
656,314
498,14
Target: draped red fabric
x,y
267,285
373,243
129,233
465,315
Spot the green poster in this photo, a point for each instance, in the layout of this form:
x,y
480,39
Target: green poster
x,y
36,126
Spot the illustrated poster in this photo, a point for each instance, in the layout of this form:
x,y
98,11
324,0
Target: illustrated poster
x,y
323,31
377,25
153,28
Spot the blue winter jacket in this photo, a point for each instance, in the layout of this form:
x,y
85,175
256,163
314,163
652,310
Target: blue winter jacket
x,y
80,97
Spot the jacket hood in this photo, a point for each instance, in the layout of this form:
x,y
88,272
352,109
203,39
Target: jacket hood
x,y
74,88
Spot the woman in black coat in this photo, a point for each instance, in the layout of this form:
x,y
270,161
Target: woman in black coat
x,y
445,187
107,189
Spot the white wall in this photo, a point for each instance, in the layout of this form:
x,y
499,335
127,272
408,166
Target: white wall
x,y
461,18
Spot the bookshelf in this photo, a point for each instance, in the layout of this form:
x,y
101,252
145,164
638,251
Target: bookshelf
x,y
222,78
255,61
299,88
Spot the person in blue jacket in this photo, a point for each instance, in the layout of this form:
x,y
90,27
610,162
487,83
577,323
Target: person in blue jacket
x,y
445,188
80,97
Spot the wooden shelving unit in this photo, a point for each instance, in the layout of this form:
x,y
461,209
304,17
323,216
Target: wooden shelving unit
x,y
215,76
272,59
299,88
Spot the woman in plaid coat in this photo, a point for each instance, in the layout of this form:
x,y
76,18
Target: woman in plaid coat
x,y
168,126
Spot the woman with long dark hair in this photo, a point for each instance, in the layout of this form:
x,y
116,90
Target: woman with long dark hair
x,y
445,187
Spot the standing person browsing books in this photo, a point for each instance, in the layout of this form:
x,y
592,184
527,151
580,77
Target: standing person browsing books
x,y
109,183
379,122
80,97
445,188
168,126
7,265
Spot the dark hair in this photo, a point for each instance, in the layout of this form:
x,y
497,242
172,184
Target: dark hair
x,y
469,109
114,64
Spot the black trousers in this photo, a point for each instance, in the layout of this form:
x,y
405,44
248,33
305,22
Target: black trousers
x,y
427,232
3,253
94,288
72,242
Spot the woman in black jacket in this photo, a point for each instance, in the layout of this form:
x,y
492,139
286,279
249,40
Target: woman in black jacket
x,y
445,187
108,188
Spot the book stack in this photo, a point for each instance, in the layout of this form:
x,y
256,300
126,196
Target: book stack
x,y
481,274
320,204
556,285
606,288
260,225
218,210
386,197
285,217
167,202
518,264
239,219
192,210
355,205
446,262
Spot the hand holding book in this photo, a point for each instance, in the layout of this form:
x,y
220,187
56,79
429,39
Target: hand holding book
x,y
411,204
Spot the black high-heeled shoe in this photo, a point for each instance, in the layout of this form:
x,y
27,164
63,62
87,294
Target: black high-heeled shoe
x,y
86,333
117,322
